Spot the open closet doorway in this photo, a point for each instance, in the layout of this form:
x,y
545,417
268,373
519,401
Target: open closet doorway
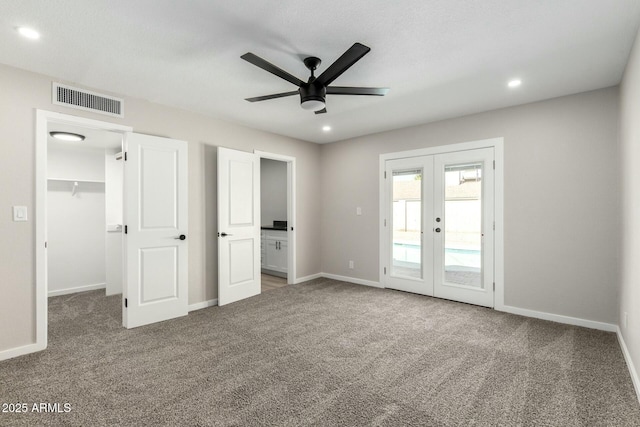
x,y
149,268
85,210
277,218
79,200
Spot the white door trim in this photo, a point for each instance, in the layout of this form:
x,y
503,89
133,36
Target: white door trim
x,y
43,118
498,145
291,210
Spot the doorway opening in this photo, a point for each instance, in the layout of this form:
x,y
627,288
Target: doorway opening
x,y
78,210
240,235
274,224
84,211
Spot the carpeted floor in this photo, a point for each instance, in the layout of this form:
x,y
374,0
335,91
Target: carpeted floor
x,y
323,353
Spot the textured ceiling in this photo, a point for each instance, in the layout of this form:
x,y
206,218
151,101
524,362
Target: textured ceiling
x,y
441,58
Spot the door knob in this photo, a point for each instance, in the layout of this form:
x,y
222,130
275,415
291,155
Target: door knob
x,y
223,234
437,219
437,230
181,237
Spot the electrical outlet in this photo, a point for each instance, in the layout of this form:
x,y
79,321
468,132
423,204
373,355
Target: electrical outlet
x,y
351,265
625,319
358,210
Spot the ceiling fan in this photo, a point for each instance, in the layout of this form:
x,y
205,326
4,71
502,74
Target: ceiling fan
x,y
313,92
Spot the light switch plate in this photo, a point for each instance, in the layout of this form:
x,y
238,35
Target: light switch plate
x,y
358,210
19,213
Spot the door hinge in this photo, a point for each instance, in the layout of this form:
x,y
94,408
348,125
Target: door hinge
x,y
125,156
126,303
494,164
385,222
494,286
385,271
494,226
385,174
126,229
45,245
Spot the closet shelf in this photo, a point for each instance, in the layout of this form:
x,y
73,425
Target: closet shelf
x,y
75,180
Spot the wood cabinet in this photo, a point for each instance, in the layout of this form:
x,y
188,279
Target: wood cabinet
x,y
274,253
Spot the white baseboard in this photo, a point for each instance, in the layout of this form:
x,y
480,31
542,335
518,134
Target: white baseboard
x,y
21,351
78,289
627,357
204,304
307,278
576,321
352,280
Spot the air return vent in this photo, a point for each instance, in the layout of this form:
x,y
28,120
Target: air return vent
x,y
86,100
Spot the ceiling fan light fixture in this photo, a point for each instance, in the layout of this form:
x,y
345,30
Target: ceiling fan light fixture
x,y
312,104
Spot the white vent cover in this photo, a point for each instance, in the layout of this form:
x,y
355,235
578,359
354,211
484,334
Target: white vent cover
x,y
82,99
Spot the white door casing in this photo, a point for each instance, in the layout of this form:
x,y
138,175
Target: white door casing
x,y
238,225
155,216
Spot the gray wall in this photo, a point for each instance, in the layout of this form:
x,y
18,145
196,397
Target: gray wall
x,y
561,200
273,191
23,92
630,148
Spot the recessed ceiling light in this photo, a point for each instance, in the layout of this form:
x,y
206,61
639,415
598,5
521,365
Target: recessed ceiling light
x,y
67,136
514,83
29,33
326,128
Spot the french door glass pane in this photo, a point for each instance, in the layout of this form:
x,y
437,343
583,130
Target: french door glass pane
x,y
463,225
407,224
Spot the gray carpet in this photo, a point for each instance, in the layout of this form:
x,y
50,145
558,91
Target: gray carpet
x,y
323,353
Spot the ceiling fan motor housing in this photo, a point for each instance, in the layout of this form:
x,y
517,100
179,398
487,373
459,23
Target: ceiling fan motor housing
x,y
312,92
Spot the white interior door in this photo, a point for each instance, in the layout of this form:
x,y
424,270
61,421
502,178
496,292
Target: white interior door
x,y
155,216
238,225
440,214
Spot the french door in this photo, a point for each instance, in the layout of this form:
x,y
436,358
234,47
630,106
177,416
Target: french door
x,y
439,225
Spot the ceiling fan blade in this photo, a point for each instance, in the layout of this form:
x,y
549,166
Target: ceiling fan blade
x,y
267,66
274,96
342,64
324,110
343,90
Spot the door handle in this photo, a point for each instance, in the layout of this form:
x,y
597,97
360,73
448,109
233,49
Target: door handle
x,y
437,230
181,237
223,234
